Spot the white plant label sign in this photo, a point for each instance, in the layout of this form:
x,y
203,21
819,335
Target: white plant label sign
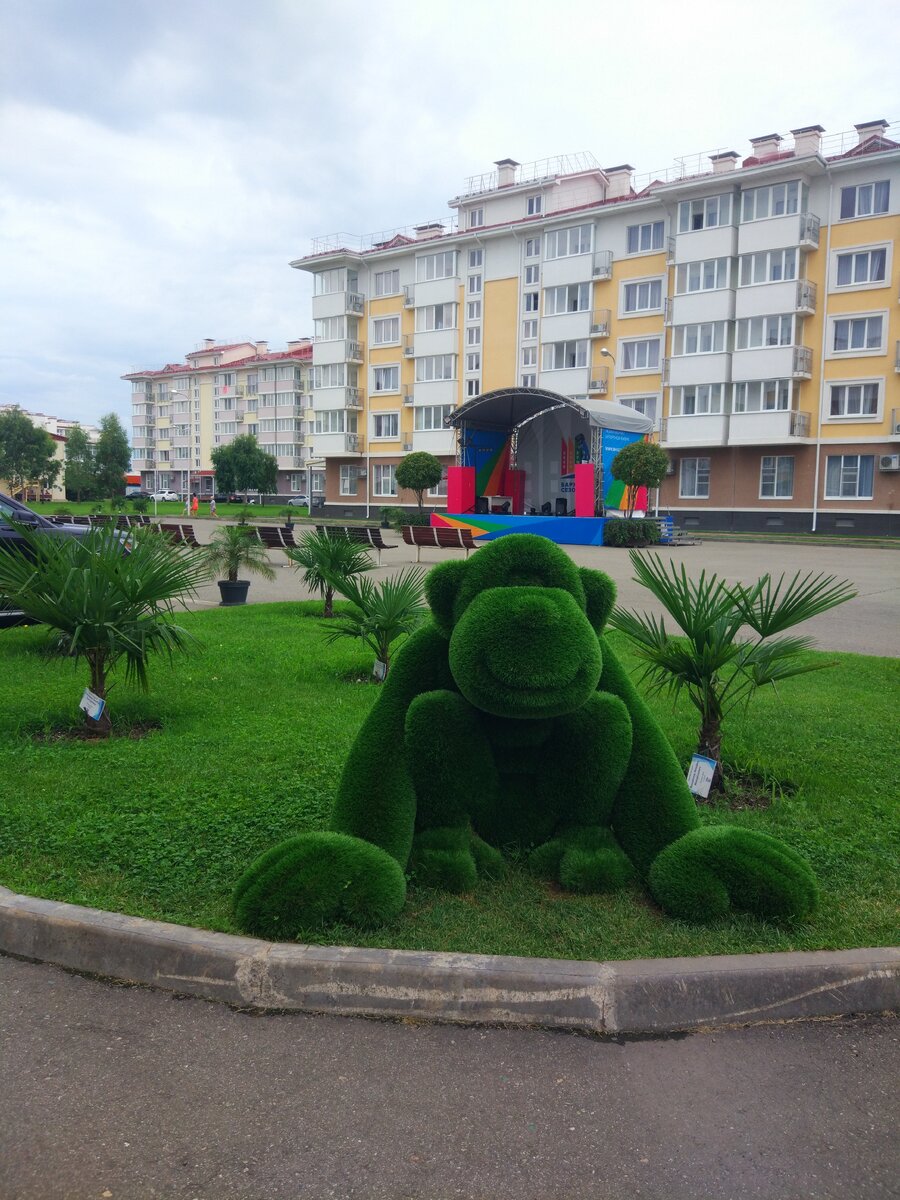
x,y
700,775
379,670
92,704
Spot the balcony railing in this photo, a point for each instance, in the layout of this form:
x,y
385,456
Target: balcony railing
x,y
806,296
599,384
409,296
408,397
600,319
354,352
228,389
408,346
894,430
809,230
667,311
664,370
897,358
799,423
670,251
603,260
354,302
801,364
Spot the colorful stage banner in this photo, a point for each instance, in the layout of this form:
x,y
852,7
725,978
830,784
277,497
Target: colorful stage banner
x,y
611,442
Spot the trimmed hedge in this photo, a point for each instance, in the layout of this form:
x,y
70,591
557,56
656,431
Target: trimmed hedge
x,y
636,531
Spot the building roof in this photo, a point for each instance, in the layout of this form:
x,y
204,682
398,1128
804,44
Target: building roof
x,y
508,408
301,354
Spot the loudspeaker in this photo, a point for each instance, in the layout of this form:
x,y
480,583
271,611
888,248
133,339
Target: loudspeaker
x,y
546,508
482,504
562,506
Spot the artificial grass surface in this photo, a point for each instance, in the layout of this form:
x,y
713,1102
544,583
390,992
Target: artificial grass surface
x,y
254,734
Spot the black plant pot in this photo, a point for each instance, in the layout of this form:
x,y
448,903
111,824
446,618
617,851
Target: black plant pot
x,y
233,592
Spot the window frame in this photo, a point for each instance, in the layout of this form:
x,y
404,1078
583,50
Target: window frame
x,y
378,479
856,188
534,204
649,281
419,423
763,321
422,268
639,228
769,190
701,263
381,391
390,416
841,495
854,252
582,291
845,418
784,395
857,351
698,472
352,476
719,338
422,365
714,401
687,207
647,368
476,217
581,351
393,271
392,318
552,239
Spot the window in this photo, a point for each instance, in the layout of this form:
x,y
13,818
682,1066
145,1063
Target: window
x,y
776,477
853,400
529,329
534,205
473,335
431,416
317,481
474,285
473,362
694,480
267,426
386,425
533,247
853,334
435,316
436,266
329,375
861,267
755,332
762,395
348,479
529,380
296,483
849,476
387,283
286,424
574,297
435,366
473,387
531,301
529,356
641,238
473,310
699,399
642,297
562,243
768,266
564,356
865,200
387,379
641,355
327,282
476,218
332,420
704,276
385,331
435,493
707,338
182,452
704,214
476,258
532,274
641,404
385,479
776,201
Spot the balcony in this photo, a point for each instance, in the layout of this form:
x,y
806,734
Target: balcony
x,y
768,428
354,352
670,252
338,304
408,397
600,319
409,296
603,264
354,302
337,445
435,441
345,397
792,229
408,346
809,231
697,429
231,389
407,444
896,359
805,299
599,383
772,362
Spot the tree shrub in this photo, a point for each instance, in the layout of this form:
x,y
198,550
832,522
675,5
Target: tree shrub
x,y
635,532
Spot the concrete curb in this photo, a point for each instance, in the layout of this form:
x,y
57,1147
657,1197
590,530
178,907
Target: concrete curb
x,y
638,996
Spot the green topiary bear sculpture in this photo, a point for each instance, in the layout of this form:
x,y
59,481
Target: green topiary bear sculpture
x,y
507,721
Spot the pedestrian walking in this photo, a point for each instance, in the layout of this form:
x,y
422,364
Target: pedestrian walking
x,y
212,506
195,505
186,511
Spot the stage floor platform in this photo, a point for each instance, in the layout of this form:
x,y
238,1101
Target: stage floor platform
x,y
565,531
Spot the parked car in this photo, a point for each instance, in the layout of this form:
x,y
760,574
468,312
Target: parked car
x,y
164,496
298,502
233,498
12,542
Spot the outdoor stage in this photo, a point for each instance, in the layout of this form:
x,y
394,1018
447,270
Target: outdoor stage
x,y
565,531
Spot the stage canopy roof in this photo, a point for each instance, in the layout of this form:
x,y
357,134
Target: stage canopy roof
x,y
507,408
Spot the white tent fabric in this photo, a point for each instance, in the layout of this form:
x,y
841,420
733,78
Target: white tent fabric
x,y
510,408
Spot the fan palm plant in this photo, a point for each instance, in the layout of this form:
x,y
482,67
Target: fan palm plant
x,y
324,557
105,604
382,612
235,548
717,671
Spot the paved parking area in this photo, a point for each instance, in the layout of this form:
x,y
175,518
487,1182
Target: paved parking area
x,y
869,624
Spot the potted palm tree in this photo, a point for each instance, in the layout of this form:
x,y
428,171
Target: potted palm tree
x,y
234,548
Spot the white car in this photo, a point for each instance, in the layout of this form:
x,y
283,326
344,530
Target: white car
x,y
298,502
164,496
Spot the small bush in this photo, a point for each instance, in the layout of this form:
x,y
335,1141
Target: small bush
x,y
634,532
140,504
62,510
406,516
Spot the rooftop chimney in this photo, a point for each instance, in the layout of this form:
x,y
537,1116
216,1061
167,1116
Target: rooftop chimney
x,y
506,171
432,230
764,146
808,140
619,181
724,162
871,129
298,344
262,347
208,343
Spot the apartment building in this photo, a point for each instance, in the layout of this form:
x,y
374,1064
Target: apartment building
x,y
58,428
748,304
183,411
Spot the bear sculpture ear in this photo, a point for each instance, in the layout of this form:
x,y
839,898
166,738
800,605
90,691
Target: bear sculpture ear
x,y
600,593
442,586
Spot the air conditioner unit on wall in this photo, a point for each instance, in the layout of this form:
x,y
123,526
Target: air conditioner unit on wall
x,y
671,467
895,432
889,462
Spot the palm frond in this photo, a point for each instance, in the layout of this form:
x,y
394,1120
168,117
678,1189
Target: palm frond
x,y
772,608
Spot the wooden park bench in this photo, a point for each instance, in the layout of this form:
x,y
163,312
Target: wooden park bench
x,y
442,536
182,535
274,537
369,535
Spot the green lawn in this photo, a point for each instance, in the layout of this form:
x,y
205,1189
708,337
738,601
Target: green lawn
x,y
254,732
171,508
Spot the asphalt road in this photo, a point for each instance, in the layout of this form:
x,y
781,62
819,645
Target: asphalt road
x,y
869,624
133,1094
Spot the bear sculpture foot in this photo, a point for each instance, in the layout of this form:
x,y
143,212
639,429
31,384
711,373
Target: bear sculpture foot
x,y
452,859
584,859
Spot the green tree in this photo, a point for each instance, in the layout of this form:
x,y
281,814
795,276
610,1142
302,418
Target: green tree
x,y
718,672
382,612
27,453
323,557
419,471
104,604
640,464
242,465
233,548
80,473
112,457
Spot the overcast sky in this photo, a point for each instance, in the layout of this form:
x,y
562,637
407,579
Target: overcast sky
x,y
163,160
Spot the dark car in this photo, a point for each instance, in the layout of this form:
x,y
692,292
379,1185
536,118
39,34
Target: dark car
x,y
12,542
